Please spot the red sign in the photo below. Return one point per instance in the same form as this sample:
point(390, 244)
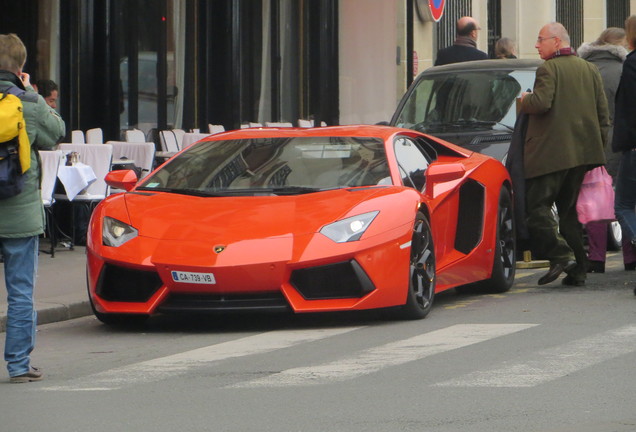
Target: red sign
point(437, 8)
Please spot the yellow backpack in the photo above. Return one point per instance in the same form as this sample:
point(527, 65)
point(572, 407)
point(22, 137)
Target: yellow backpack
point(15, 149)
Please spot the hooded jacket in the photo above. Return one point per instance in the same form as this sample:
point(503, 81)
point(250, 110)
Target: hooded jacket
point(609, 60)
point(23, 215)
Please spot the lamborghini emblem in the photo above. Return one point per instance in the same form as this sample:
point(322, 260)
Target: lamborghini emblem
point(219, 249)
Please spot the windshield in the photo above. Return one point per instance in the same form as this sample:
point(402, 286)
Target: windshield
point(280, 165)
point(454, 101)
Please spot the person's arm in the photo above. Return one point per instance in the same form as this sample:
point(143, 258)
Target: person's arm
point(624, 136)
point(628, 95)
point(51, 127)
point(540, 100)
point(602, 109)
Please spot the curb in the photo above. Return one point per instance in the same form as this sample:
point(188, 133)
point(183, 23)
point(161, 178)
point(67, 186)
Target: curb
point(55, 312)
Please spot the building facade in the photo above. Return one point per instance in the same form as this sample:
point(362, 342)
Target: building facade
point(160, 64)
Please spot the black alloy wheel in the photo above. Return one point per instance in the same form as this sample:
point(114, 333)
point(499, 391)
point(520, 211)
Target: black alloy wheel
point(421, 289)
point(504, 263)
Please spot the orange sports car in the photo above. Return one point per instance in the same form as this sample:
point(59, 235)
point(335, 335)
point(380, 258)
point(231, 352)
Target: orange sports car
point(304, 220)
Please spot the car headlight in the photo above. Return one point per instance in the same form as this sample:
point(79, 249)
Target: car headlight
point(349, 229)
point(115, 233)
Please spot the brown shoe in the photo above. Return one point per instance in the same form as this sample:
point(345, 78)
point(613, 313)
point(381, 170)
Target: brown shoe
point(34, 374)
point(555, 271)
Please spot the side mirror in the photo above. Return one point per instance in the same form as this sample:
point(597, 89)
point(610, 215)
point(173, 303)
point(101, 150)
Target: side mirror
point(440, 176)
point(121, 179)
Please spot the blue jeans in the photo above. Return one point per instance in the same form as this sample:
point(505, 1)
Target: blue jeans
point(20, 265)
point(625, 201)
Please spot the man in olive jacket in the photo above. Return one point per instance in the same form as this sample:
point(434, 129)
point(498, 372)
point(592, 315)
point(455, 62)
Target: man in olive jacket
point(567, 132)
point(22, 216)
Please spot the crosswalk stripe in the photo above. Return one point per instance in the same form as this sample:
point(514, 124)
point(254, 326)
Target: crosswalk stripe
point(392, 354)
point(164, 367)
point(553, 363)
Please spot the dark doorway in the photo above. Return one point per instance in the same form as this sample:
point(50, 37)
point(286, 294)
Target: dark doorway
point(494, 25)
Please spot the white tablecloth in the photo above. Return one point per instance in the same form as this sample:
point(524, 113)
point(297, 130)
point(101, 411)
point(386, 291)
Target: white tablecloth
point(191, 138)
point(75, 178)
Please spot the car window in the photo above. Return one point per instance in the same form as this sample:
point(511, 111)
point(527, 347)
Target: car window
point(412, 162)
point(454, 101)
point(275, 162)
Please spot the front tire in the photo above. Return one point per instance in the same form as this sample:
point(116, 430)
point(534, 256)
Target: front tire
point(421, 288)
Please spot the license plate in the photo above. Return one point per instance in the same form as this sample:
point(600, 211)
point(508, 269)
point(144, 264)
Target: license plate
point(193, 278)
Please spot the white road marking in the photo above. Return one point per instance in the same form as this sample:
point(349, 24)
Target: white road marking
point(392, 354)
point(164, 367)
point(553, 363)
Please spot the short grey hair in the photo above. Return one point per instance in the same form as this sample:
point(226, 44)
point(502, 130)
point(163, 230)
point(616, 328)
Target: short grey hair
point(12, 53)
point(558, 30)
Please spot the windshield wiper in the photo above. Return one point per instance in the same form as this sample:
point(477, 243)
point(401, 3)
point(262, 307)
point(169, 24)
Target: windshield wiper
point(298, 190)
point(278, 190)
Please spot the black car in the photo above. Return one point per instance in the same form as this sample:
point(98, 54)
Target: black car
point(471, 104)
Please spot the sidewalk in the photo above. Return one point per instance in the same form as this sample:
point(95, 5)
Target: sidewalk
point(60, 291)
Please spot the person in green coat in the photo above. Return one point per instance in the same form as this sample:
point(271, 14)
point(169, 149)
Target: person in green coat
point(22, 216)
point(567, 133)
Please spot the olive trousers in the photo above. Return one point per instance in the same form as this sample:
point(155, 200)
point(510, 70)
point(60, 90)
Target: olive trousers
point(559, 241)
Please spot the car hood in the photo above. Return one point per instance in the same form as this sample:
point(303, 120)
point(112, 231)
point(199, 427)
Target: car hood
point(170, 216)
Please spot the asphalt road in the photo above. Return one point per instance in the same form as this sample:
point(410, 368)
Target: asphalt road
point(536, 359)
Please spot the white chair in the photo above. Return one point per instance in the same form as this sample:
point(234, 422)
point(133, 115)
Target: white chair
point(169, 142)
point(255, 124)
point(278, 124)
point(135, 135)
point(216, 128)
point(142, 154)
point(191, 138)
point(51, 160)
point(77, 137)
point(308, 123)
point(94, 136)
point(179, 133)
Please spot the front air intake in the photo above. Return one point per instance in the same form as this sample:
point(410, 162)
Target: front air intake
point(127, 285)
point(332, 281)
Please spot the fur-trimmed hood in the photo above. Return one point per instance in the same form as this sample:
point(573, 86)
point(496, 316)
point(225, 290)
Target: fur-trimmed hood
point(606, 51)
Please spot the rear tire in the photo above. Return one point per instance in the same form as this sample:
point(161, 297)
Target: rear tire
point(421, 288)
point(504, 263)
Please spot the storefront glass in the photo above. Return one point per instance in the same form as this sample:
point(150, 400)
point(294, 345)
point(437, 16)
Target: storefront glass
point(47, 64)
point(151, 48)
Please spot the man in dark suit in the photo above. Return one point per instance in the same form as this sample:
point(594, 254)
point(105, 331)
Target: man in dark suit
point(465, 46)
point(567, 132)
